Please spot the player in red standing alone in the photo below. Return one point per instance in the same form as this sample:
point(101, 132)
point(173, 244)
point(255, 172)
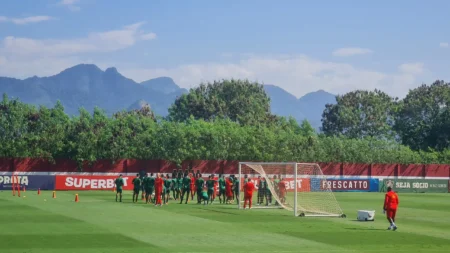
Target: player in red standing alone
point(159, 182)
point(390, 207)
point(249, 187)
point(282, 190)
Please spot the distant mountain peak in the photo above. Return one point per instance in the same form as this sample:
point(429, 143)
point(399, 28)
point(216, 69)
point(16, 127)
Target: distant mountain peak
point(163, 84)
point(111, 70)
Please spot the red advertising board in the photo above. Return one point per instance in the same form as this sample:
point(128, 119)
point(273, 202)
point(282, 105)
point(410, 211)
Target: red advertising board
point(303, 184)
point(346, 184)
point(75, 182)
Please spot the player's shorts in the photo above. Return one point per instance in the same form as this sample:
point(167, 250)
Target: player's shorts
point(210, 192)
point(221, 192)
point(390, 213)
point(136, 190)
point(199, 191)
point(168, 190)
point(118, 190)
point(204, 197)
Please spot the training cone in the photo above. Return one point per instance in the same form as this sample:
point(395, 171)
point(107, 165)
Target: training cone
point(39, 191)
point(54, 195)
point(76, 197)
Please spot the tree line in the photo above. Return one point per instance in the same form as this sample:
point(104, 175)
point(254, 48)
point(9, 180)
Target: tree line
point(231, 120)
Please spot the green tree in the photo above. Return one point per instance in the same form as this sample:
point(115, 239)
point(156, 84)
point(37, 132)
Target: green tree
point(238, 100)
point(423, 118)
point(359, 114)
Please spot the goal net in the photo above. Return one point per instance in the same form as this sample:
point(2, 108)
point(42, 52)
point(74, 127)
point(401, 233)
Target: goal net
point(297, 187)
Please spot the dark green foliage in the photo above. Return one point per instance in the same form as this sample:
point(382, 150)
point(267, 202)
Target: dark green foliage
point(423, 120)
point(49, 133)
point(360, 114)
point(237, 100)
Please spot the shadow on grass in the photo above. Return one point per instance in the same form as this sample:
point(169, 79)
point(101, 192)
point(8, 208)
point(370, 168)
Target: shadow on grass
point(379, 229)
point(218, 211)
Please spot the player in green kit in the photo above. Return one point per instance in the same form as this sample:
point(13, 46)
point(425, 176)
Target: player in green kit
point(150, 188)
point(204, 196)
point(179, 185)
point(199, 184)
point(185, 188)
point(167, 186)
point(210, 186)
point(222, 189)
point(137, 187)
point(119, 186)
point(236, 188)
point(146, 188)
point(174, 186)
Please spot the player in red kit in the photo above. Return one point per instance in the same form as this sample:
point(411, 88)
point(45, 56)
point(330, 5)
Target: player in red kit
point(193, 179)
point(282, 190)
point(249, 187)
point(390, 207)
point(159, 182)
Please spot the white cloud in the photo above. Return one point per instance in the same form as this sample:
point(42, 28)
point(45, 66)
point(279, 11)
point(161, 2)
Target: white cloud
point(415, 68)
point(351, 51)
point(26, 20)
point(298, 75)
point(148, 36)
point(71, 4)
point(443, 44)
point(95, 42)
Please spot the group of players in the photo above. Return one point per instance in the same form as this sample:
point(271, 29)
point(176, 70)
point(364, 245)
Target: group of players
point(182, 185)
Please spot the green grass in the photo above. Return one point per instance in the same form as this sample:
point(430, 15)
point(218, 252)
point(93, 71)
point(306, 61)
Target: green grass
point(98, 224)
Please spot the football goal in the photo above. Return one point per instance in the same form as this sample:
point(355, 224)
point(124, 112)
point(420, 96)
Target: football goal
point(297, 187)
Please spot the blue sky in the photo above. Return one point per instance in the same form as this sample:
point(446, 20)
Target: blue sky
point(301, 46)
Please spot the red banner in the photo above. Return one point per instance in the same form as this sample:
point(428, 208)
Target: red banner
point(303, 184)
point(76, 182)
point(346, 184)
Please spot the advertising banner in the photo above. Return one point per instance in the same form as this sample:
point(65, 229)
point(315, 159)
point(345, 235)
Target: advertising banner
point(75, 182)
point(30, 182)
point(418, 185)
point(345, 185)
point(303, 184)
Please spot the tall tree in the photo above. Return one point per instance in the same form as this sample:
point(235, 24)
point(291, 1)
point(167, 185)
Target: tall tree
point(423, 119)
point(360, 114)
point(238, 100)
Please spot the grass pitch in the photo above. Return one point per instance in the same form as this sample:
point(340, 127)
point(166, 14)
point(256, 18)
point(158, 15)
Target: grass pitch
point(40, 224)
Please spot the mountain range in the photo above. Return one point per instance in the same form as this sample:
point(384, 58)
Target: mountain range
point(86, 85)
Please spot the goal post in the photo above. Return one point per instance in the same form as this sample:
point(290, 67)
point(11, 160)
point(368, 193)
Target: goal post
point(297, 187)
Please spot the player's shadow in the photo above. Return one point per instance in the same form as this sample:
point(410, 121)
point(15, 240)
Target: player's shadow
point(364, 229)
